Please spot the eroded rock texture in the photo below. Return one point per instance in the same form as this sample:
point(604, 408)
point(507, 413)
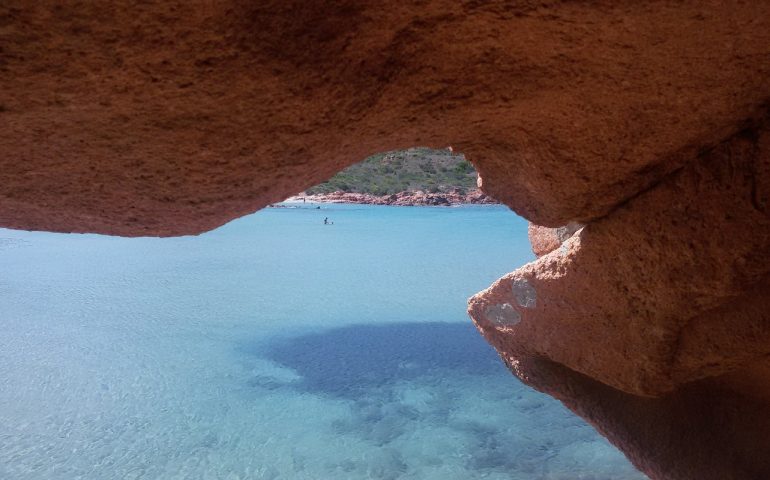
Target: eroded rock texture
point(645, 123)
point(654, 322)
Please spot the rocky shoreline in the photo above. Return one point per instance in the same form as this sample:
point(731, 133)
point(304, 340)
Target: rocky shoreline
point(410, 198)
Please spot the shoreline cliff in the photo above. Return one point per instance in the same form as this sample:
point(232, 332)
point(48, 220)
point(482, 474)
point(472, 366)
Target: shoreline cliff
point(408, 198)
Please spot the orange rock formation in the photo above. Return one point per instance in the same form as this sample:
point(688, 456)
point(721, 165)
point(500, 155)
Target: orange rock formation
point(644, 121)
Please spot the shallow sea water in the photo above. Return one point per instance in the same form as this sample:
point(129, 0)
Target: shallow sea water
point(275, 348)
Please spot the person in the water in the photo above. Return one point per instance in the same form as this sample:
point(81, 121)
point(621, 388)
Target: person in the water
point(327, 222)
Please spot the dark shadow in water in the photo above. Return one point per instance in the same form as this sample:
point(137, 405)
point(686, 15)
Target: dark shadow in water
point(368, 364)
point(350, 361)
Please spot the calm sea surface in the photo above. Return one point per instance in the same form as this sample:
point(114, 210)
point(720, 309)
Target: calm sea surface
point(275, 348)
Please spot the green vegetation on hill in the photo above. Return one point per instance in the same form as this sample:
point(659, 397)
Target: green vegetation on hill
point(425, 169)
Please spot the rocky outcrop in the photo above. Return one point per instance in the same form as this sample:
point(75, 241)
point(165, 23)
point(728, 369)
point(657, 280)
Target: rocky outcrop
point(676, 308)
point(545, 239)
point(645, 122)
point(159, 119)
point(406, 199)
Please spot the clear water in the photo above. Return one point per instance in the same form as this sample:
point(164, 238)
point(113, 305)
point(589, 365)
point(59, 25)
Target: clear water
point(275, 348)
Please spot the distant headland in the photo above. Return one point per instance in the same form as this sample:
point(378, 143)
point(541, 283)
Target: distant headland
point(417, 176)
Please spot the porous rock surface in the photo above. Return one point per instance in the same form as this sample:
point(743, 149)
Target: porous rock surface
point(645, 122)
point(654, 322)
point(547, 239)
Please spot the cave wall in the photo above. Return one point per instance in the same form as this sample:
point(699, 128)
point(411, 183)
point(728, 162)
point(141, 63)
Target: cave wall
point(634, 135)
point(654, 322)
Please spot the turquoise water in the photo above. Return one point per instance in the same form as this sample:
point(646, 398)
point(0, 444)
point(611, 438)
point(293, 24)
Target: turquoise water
point(275, 348)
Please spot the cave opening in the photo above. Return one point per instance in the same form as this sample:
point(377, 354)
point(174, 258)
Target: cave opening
point(283, 346)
